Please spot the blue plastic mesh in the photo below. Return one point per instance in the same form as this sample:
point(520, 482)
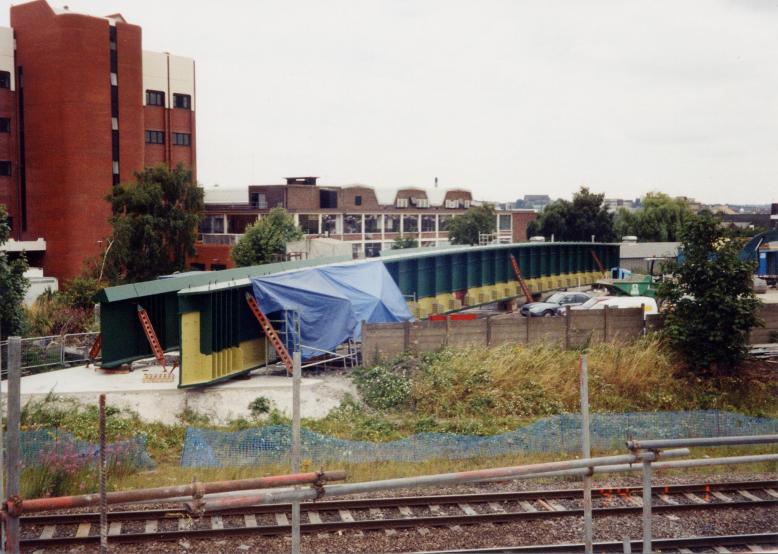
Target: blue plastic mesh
point(559, 433)
point(41, 445)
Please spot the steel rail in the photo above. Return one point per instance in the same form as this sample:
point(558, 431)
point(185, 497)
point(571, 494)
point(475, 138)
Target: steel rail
point(393, 502)
point(388, 523)
point(756, 539)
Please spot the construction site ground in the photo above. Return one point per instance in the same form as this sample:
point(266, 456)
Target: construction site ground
point(162, 401)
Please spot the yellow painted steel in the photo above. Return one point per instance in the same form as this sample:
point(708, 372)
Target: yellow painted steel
point(200, 368)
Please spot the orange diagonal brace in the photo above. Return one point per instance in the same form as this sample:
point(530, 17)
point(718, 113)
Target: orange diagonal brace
point(599, 263)
point(522, 284)
point(272, 336)
point(151, 336)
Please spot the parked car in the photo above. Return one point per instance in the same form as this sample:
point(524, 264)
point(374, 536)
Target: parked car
point(554, 304)
point(600, 302)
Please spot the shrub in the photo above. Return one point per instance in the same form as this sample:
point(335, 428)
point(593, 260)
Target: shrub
point(260, 406)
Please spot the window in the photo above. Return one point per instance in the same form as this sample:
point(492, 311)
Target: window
point(402, 203)
point(182, 139)
point(328, 198)
point(155, 98)
point(212, 224)
point(420, 202)
point(218, 267)
point(358, 200)
point(372, 223)
point(5, 169)
point(410, 224)
point(392, 223)
point(505, 222)
point(5, 79)
point(197, 266)
point(329, 224)
point(428, 223)
point(452, 203)
point(258, 200)
point(352, 223)
point(309, 224)
point(372, 249)
point(183, 101)
point(443, 221)
point(155, 137)
point(5, 124)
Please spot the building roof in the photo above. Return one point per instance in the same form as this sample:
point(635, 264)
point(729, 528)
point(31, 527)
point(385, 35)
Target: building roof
point(219, 195)
point(649, 249)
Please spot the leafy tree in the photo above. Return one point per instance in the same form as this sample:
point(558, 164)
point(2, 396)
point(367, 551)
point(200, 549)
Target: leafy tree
point(661, 218)
point(710, 301)
point(13, 285)
point(154, 224)
point(577, 220)
point(266, 240)
point(467, 228)
point(404, 242)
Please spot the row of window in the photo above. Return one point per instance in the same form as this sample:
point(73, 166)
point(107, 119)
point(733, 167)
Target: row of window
point(158, 137)
point(157, 98)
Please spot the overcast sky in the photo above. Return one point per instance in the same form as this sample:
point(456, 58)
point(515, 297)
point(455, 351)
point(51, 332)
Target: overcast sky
point(505, 97)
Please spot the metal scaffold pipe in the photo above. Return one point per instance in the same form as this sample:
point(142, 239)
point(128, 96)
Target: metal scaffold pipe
point(196, 490)
point(701, 441)
point(278, 497)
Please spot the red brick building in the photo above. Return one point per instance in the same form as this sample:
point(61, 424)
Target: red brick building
point(367, 218)
point(82, 108)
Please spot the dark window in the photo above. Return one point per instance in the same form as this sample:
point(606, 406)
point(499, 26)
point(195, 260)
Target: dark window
point(112, 33)
point(328, 198)
point(5, 124)
point(5, 79)
point(196, 266)
point(155, 137)
point(115, 145)
point(5, 169)
point(115, 179)
point(114, 63)
point(218, 267)
point(182, 101)
point(182, 139)
point(258, 200)
point(357, 200)
point(155, 98)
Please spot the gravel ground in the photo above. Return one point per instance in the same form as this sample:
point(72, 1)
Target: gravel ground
point(687, 524)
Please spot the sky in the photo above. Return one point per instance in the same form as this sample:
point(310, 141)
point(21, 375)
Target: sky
point(504, 97)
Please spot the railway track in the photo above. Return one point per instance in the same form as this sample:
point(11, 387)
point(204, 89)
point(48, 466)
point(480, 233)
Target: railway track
point(389, 514)
point(762, 542)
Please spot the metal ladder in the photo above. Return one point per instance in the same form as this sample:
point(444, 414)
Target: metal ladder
point(151, 336)
point(271, 334)
point(522, 284)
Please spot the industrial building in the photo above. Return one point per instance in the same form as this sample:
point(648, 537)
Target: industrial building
point(369, 219)
point(82, 108)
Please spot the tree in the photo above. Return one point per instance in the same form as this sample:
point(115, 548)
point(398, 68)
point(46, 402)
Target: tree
point(579, 220)
point(154, 224)
point(660, 219)
point(264, 241)
point(13, 285)
point(404, 242)
point(710, 302)
point(467, 228)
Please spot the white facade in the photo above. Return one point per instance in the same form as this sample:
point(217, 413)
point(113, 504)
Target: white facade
point(169, 74)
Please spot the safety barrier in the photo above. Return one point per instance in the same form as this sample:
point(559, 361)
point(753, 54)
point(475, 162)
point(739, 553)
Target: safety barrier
point(559, 433)
point(50, 351)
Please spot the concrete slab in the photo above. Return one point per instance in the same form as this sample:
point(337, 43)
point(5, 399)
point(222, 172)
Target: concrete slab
point(164, 401)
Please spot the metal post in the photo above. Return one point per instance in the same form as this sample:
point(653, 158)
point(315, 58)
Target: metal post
point(647, 506)
point(586, 451)
point(14, 434)
point(296, 377)
point(103, 499)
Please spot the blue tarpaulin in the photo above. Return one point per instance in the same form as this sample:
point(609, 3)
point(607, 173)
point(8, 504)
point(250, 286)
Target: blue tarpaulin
point(331, 302)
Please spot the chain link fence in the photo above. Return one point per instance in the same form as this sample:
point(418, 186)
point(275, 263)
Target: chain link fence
point(44, 353)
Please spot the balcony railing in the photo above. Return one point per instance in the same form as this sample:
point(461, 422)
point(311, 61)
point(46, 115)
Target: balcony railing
point(219, 238)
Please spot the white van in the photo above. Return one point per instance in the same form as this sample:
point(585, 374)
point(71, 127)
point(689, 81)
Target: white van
point(599, 303)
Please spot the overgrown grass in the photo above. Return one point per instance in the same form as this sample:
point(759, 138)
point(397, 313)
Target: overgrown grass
point(476, 391)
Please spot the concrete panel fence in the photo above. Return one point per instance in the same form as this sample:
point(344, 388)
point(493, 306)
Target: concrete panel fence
point(386, 340)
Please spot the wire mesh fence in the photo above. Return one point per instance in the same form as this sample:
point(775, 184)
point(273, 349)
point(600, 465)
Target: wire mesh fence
point(555, 434)
point(39, 353)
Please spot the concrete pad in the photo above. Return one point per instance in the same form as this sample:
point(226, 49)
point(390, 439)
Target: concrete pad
point(164, 401)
